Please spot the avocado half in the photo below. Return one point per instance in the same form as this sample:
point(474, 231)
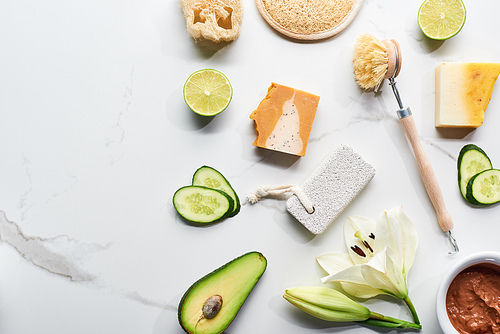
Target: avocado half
point(233, 282)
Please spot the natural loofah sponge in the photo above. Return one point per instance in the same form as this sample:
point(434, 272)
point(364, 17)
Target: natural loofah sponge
point(213, 20)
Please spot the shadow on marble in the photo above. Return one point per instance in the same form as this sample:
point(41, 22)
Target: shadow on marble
point(276, 158)
point(454, 133)
point(181, 116)
point(296, 230)
point(182, 220)
point(428, 44)
point(206, 49)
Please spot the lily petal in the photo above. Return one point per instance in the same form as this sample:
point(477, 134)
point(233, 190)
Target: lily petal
point(353, 282)
point(361, 290)
point(388, 233)
point(332, 263)
point(351, 274)
point(384, 272)
point(409, 235)
point(365, 228)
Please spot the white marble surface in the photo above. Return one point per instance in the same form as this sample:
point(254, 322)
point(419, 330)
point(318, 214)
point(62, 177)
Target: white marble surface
point(95, 138)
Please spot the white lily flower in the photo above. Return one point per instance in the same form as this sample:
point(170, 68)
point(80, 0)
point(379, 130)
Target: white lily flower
point(379, 256)
point(348, 263)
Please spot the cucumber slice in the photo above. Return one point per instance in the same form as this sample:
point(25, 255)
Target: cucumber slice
point(210, 177)
point(484, 188)
point(201, 204)
point(471, 161)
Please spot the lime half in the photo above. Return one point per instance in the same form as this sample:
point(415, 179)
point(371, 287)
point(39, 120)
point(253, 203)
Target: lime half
point(441, 19)
point(207, 92)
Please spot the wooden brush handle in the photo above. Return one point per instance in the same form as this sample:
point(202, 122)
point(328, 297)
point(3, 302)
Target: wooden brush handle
point(427, 173)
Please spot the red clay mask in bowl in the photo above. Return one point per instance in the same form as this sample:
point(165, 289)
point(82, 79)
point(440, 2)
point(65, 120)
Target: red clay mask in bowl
point(473, 299)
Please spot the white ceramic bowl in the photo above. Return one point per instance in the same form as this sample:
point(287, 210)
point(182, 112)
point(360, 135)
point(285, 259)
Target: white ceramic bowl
point(482, 257)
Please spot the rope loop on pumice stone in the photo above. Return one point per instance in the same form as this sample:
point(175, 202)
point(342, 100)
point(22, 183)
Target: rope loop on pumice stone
point(265, 190)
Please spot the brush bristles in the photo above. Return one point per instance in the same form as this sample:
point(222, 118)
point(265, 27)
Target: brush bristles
point(370, 61)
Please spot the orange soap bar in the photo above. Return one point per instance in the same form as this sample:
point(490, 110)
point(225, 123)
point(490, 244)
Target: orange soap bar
point(284, 118)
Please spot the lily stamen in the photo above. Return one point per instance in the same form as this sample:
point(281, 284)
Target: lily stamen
point(363, 240)
point(358, 250)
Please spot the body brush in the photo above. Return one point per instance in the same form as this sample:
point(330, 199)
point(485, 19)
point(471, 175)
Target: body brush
point(374, 61)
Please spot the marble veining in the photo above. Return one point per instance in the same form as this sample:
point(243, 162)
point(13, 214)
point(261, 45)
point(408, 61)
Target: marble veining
point(117, 132)
point(23, 199)
point(59, 255)
point(66, 258)
point(439, 148)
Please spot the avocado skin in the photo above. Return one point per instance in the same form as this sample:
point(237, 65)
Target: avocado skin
point(193, 287)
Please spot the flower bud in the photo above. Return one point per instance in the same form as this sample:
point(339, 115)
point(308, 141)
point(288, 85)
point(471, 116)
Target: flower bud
point(326, 303)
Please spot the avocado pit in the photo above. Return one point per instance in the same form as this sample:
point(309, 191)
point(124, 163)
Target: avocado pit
point(211, 306)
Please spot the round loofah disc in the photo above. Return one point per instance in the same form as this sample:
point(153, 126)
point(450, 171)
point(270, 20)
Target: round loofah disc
point(309, 20)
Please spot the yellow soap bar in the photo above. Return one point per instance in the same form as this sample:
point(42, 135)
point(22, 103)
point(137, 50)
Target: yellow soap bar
point(463, 91)
point(284, 118)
